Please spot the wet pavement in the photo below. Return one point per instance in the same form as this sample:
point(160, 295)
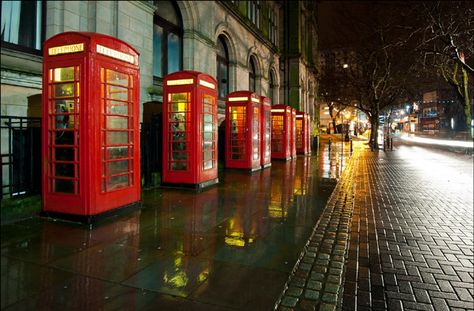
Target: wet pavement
point(403, 222)
point(231, 247)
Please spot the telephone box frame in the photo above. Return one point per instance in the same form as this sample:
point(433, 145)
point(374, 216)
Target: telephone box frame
point(304, 134)
point(281, 118)
point(93, 186)
point(244, 155)
point(199, 86)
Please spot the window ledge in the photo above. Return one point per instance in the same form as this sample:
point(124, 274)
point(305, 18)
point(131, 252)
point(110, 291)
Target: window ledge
point(21, 61)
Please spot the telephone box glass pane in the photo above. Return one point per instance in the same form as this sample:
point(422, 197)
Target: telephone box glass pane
point(208, 136)
point(256, 133)
point(118, 182)
point(63, 140)
point(277, 133)
point(238, 132)
point(178, 117)
point(116, 152)
point(64, 185)
point(63, 74)
point(115, 122)
point(117, 136)
point(117, 107)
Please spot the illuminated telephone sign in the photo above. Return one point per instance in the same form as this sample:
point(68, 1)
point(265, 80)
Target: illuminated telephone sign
point(90, 126)
point(242, 127)
point(265, 132)
point(302, 133)
point(293, 133)
point(281, 132)
point(189, 130)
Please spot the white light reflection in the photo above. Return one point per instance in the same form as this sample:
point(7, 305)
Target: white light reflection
point(441, 142)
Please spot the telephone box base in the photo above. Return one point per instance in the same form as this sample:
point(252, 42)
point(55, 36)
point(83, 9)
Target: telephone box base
point(197, 187)
point(266, 165)
point(306, 154)
point(91, 219)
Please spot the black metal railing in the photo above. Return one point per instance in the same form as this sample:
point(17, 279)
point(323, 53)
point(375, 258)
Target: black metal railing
point(21, 156)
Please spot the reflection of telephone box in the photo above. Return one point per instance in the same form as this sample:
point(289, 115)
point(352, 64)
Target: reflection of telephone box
point(189, 130)
point(302, 133)
point(91, 138)
point(265, 133)
point(242, 148)
point(281, 133)
point(293, 133)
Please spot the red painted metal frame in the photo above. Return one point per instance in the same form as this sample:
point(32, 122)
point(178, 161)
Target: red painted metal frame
point(248, 161)
point(195, 176)
point(266, 132)
point(281, 148)
point(90, 199)
point(293, 133)
point(303, 133)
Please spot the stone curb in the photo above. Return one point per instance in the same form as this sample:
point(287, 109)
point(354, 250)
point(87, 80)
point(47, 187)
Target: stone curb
point(315, 283)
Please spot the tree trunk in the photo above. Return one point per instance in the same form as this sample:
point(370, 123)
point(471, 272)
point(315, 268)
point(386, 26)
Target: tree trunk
point(467, 103)
point(374, 121)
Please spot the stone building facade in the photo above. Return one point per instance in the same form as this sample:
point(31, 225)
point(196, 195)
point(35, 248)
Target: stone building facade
point(274, 41)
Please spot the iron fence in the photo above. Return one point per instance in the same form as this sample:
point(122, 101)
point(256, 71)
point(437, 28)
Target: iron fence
point(21, 155)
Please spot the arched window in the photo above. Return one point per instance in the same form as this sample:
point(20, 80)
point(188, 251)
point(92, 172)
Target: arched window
point(252, 75)
point(167, 39)
point(222, 60)
point(271, 87)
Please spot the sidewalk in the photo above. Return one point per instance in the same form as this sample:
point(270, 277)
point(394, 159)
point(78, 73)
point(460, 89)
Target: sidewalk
point(396, 234)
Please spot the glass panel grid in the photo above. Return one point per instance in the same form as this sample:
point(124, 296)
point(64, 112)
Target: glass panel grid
point(256, 133)
point(299, 133)
point(63, 129)
point(117, 130)
point(238, 133)
point(209, 139)
point(277, 133)
point(179, 127)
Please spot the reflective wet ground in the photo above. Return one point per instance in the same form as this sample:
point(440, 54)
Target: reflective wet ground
point(230, 247)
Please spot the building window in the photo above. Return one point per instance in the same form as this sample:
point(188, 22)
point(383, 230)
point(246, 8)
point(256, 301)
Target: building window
point(23, 25)
point(271, 87)
point(253, 12)
point(222, 59)
point(252, 75)
point(272, 31)
point(167, 39)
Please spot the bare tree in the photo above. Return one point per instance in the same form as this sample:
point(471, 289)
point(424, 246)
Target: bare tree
point(447, 45)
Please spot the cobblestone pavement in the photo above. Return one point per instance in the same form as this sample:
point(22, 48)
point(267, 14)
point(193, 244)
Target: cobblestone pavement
point(403, 220)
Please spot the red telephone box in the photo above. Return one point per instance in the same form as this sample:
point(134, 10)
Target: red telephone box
point(293, 133)
point(91, 136)
point(265, 133)
point(281, 132)
point(242, 148)
point(302, 133)
point(189, 130)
